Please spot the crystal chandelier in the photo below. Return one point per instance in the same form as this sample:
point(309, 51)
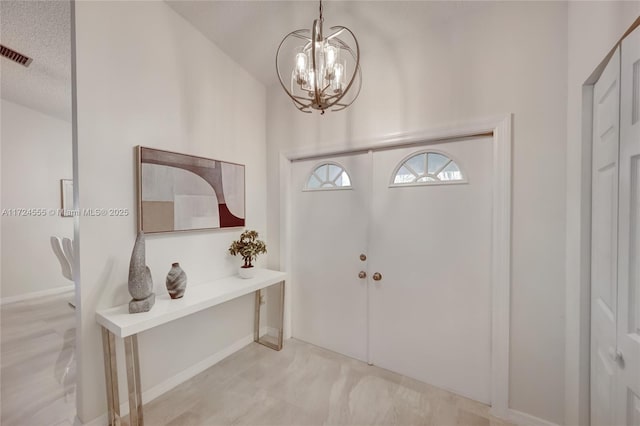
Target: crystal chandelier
point(324, 68)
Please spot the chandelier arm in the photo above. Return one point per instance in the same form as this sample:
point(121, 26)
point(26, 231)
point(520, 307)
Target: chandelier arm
point(302, 106)
point(342, 106)
point(341, 44)
point(304, 99)
point(303, 109)
point(333, 97)
point(295, 101)
point(299, 35)
point(325, 88)
point(357, 59)
point(336, 34)
point(314, 37)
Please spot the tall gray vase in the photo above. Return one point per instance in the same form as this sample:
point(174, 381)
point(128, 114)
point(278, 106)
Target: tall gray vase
point(140, 282)
point(176, 281)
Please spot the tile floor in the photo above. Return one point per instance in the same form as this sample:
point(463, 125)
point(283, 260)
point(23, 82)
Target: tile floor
point(301, 385)
point(307, 385)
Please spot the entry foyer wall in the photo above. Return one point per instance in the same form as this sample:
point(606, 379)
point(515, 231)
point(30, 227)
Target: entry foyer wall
point(147, 77)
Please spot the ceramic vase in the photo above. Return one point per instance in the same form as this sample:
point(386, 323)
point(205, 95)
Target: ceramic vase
point(176, 281)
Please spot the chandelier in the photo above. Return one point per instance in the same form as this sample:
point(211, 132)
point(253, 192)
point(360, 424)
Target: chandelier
point(324, 69)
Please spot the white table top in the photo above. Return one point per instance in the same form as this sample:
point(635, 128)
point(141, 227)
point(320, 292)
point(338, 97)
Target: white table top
point(120, 322)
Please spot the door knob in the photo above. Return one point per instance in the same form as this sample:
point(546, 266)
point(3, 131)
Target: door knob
point(616, 356)
point(362, 274)
point(363, 257)
point(377, 276)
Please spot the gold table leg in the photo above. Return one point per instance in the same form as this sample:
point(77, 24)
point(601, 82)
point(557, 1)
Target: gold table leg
point(133, 380)
point(281, 330)
point(111, 377)
point(256, 324)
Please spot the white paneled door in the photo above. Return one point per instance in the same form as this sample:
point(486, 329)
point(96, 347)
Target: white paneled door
point(604, 243)
point(420, 304)
point(628, 315)
point(431, 309)
point(329, 233)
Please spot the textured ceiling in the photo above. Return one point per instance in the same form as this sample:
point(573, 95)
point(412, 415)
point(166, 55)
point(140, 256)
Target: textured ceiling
point(42, 31)
point(250, 31)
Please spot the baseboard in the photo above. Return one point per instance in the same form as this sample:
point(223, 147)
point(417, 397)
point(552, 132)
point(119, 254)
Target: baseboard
point(36, 294)
point(100, 421)
point(524, 419)
point(151, 394)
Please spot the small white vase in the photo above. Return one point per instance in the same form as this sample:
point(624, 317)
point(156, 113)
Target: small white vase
point(247, 273)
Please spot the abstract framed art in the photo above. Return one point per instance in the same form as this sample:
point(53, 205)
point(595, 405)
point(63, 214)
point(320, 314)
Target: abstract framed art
point(179, 192)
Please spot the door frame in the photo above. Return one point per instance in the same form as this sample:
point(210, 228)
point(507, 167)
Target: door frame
point(578, 257)
point(500, 129)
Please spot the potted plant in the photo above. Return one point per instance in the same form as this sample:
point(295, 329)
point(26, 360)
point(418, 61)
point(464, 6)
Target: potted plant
point(249, 247)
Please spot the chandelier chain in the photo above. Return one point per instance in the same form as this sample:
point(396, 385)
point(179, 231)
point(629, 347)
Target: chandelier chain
point(321, 10)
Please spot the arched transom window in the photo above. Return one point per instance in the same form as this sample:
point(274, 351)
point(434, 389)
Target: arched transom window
point(328, 176)
point(427, 168)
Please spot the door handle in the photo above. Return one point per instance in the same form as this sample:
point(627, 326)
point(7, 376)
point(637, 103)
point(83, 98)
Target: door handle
point(616, 356)
point(362, 274)
point(377, 276)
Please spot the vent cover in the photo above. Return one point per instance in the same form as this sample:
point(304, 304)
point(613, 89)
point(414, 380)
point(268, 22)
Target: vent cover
point(15, 56)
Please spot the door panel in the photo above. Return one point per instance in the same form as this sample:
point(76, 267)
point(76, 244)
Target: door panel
point(628, 318)
point(431, 312)
point(604, 241)
point(329, 233)
point(603, 374)
point(605, 210)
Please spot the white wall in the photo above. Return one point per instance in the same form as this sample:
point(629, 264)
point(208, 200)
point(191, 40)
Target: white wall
point(36, 154)
point(146, 77)
point(505, 57)
point(593, 30)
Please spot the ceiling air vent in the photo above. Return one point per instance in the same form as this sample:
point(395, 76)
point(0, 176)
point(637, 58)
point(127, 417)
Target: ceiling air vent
point(15, 56)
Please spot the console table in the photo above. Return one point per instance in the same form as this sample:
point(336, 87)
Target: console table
point(118, 322)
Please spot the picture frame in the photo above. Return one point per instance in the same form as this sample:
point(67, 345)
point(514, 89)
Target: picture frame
point(66, 197)
point(180, 192)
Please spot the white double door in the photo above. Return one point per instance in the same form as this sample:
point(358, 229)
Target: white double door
point(429, 316)
point(615, 247)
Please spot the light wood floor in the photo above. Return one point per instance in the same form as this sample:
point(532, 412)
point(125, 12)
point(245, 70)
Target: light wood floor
point(306, 385)
point(301, 385)
point(37, 366)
